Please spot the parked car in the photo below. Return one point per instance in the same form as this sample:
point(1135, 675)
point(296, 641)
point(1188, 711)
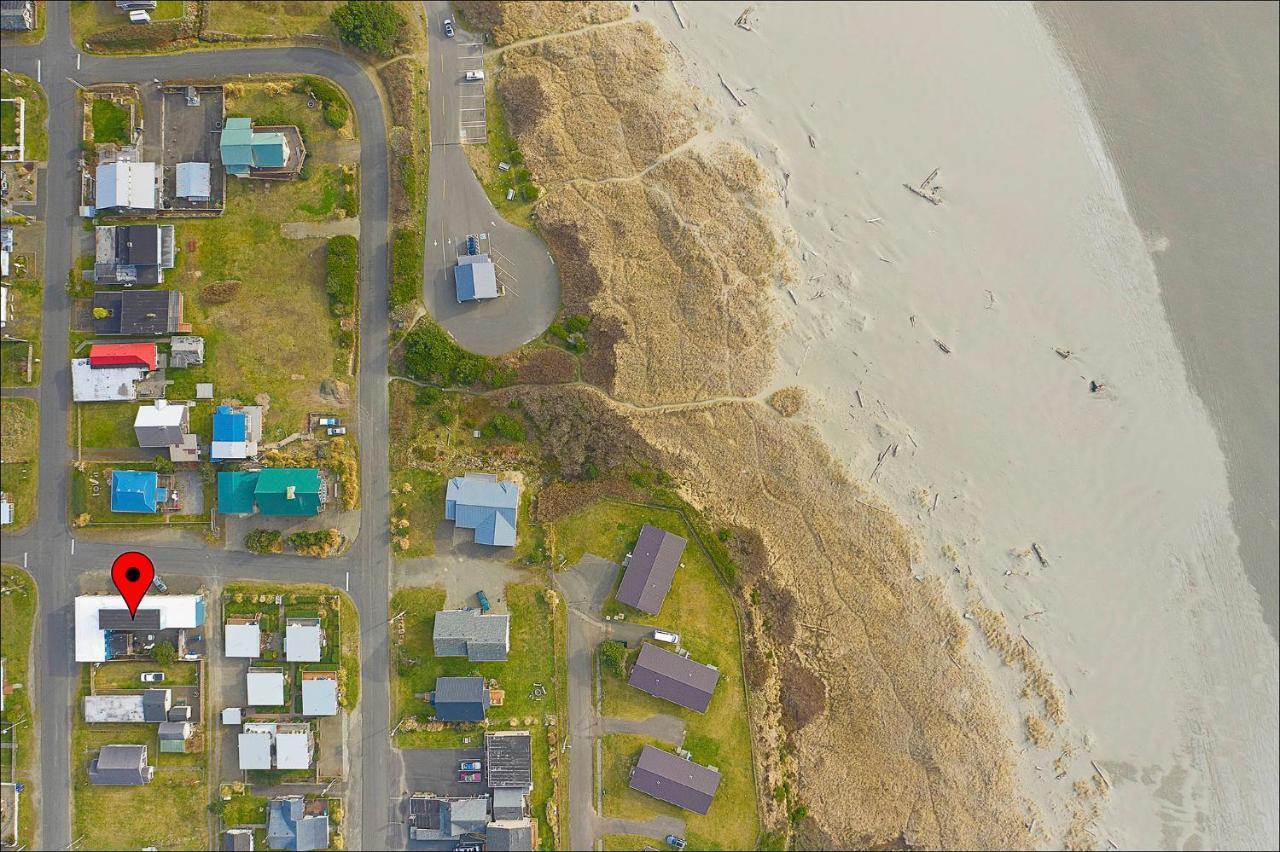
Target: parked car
point(159, 584)
point(327, 421)
point(675, 842)
point(470, 777)
point(448, 27)
point(470, 766)
point(336, 430)
point(665, 636)
point(483, 601)
point(152, 677)
point(474, 76)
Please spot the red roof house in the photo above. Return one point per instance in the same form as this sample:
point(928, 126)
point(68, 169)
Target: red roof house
point(123, 355)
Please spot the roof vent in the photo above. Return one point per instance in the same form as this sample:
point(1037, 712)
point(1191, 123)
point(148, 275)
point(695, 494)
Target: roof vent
point(161, 403)
point(290, 492)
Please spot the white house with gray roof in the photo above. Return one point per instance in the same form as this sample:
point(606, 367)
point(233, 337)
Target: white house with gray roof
point(468, 633)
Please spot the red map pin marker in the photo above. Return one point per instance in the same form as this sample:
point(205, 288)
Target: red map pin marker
point(132, 573)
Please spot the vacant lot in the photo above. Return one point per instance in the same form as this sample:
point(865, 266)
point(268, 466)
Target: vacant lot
point(245, 809)
point(536, 656)
point(272, 332)
point(26, 309)
point(126, 674)
point(36, 109)
point(110, 122)
point(17, 621)
point(700, 608)
point(108, 425)
point(19, 466)
point(283, 18)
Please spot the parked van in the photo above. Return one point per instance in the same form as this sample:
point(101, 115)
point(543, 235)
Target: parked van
point(473, 76)
point(139, 16)
point(669, 638)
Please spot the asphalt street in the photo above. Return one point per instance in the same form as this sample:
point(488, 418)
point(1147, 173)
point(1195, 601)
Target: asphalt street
point(50, 551)
point(457, 206)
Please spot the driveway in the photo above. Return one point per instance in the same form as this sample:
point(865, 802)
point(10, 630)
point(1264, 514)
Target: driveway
point(463, 568)
point(457, 206)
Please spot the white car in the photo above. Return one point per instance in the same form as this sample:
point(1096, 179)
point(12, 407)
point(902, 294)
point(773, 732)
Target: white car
point(152, 677)
point(448, 27)
point(474, 76)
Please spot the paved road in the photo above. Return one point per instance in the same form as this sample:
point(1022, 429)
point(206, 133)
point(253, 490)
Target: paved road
point(457, 206)
point(50, 551)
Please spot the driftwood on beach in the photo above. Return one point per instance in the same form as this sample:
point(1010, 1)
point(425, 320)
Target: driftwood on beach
point(926, 189)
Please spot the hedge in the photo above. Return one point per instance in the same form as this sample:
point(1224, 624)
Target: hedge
point(341, 267)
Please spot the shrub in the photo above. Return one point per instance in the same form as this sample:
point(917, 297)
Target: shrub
point(336, 110)
point(101, 313)
point(429, 395)
point(371, 26)
point(529, 192)
point(508, 427)
point(263, 541)
point(557, 330)
point(164, 653)
point(162, 464)
point(341, 268)
point(467, 371)
point(406, 266)
point(613, 656)
point(577, 323)
point(590, 472)
point(444, 415)
point(430, 353)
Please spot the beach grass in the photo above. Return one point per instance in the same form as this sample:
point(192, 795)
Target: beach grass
point(272, 17)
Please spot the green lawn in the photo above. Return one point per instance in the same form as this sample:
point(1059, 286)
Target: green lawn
point(37, 114)
point(421, 504)
point(245, 809)
point(630, 842)
point(19, 456)
point(701, 609)
point(17, 621)
point(108, 425)
point(90, 17)
point(272, 17)
point(25, 323)
point(174, 803)
point(537, 643)
point(110, 122)
point(126, 674)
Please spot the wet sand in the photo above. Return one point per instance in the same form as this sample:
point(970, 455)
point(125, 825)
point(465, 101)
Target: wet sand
point(933, 329)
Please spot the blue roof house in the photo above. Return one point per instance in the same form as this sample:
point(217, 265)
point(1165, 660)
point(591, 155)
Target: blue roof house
point(480, 502)
point(475, 278)
point(228, 434)
point(136, 491)
point(295, 823)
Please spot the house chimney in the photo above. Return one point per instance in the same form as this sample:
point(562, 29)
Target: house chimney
point(161, 403)
point(290, 492)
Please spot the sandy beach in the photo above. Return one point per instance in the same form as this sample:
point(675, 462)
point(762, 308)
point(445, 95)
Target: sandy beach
point(964, 337)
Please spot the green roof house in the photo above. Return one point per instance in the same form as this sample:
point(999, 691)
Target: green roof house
point(289, 491)
point(246, 152)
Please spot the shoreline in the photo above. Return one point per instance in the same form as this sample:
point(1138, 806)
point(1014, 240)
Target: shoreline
point(1143, 610)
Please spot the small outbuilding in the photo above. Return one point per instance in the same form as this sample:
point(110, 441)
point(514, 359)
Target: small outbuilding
point(460, 699)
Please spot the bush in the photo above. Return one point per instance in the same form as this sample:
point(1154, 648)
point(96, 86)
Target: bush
point(263, 541)
point(406, 266)
point(508, 427)
point(162, 464)
point(557, 330)
point(330, 96)
point(590, 472)
point(577, 323)
point(372, 25)
point(101, 313)
point(430, 353)
point(529, 192)
point(429, 395)
point(342, 269)
point(613, 656)
point(468, 369)
point(164, 653)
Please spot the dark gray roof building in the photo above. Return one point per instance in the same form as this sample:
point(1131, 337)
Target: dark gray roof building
point(434, 818)
point(460, 699)
point(138, 312)
point(132, 254)
point(509, 836)
point(121, 765)
point(675, 678)
point(17, 15)
point(650, 568)
point(238, 840)
point(155, 705)
point(508, 759)
point(468, 633)
point(119, 619)
point(508, 803)
point(673, 779)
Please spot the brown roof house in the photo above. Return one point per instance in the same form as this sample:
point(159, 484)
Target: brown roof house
point(673, 779)
point(651, 566)
point(673, 677)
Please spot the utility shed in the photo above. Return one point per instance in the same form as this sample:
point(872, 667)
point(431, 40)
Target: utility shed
point(673, 677)
point(673, 779)
point(650, 569)
point(174, 736)
point(508, 759)
point(468, 633)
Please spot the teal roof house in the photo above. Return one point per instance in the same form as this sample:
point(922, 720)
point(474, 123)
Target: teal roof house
point(265, 152)
point(290, 492)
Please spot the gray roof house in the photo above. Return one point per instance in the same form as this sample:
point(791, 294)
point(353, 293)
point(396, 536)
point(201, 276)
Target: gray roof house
point(508, 760)
point(139, 312)
point(161, 424)
point(132, 254)
point(17, 15)
point(460, 699)
point(673, 779)
point(673, 677)
point(468, 633)
point(186, 351)
point(435, 818)
point(297, 823)
point(121, 765)
point(238, 840)
point(651, 566)
point(486, 504)
point(509, 835)
point(508, 803)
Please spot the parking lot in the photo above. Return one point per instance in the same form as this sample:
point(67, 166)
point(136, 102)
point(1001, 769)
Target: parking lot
point(471, 109)
point(435, 770)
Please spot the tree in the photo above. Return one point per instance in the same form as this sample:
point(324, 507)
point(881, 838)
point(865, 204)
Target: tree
point(613, 655)
point(370, 25)
point(164, 653)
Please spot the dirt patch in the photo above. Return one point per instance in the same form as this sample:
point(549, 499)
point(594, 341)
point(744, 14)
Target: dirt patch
point(308, 230)
point(219, 292)
point(509, 22)
point(788, 401)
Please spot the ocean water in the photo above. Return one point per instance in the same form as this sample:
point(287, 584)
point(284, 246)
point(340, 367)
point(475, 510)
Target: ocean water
point(1185, 96)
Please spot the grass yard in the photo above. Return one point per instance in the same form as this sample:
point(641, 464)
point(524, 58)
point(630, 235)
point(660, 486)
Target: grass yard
point(26, 314)
point(19, 456)
point(701, 609)
point(274, 334)
point(126, 674)
point(37, 115)
point(91, 495)
point(283, 18)
point(17, 620)
point(630, 842)
point(108, 425)
point(501, 147)
point(245, 809)
point(537, 654)
point(110, 122)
